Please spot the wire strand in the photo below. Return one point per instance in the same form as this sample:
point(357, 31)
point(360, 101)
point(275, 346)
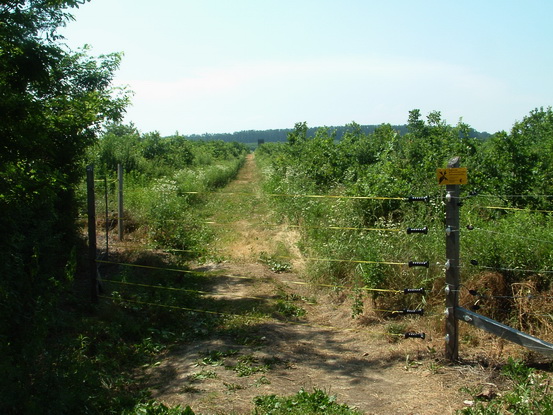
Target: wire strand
point(475, 293)
point(510, 196)
point(315, 227)
point(535, 271)
point(342, 286)
point(301, 195)
point(514, 209)
point(182, 290)
point(147, 267)
point(511, 235)
point(351, 228)
point(297, 323)
point(385, 290)
point(355, 261)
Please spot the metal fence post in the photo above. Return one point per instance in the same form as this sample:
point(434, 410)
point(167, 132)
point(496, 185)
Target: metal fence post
point(452, 276)
point(120, 201)
point(106, 214)
point(91, 205)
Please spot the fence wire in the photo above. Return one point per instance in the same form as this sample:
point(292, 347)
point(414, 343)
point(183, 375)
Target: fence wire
point(358, 261)
point(292, 195)
point(224, 314)
point(205, 273)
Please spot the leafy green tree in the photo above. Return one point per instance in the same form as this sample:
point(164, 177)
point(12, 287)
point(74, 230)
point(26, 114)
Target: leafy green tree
point(322, 160)
point(299, 134)
point(519, 162)
point(536, 132)
point(52, 104)
point(357, 147)
point(122, 144)
point(154, 146)
point(416, 125)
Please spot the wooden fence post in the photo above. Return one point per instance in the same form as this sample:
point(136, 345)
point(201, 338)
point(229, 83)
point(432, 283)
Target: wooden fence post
point(452, 275)
point(91, 204)
point(120, 201)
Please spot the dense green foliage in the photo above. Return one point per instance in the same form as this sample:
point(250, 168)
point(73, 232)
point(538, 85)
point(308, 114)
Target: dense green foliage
point(52, 103)
point(154, 156)
point(164, 178)
point(506, 170)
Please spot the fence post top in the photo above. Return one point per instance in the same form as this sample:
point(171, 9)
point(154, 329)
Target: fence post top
point(454, 162)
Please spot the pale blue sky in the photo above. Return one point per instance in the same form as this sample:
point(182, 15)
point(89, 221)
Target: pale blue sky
point(229, 65)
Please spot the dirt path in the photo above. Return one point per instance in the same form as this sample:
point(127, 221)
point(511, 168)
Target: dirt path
point(324, 348)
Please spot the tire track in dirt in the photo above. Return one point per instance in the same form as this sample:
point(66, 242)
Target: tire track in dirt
point(324, 349)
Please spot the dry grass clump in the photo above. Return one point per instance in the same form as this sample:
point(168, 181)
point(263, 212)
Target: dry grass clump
point(532, 310)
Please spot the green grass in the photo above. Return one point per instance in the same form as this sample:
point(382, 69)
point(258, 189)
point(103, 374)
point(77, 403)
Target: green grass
point(317, 402)
point(530, 394)
point(303, 403)
point(216, 357)
point(275, 263)
point(202, 375)
point(157, 408)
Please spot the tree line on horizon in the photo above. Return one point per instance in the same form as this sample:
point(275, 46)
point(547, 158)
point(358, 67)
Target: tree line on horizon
point(281, 135)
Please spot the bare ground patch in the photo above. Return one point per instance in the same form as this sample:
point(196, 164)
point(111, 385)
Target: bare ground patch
point(324, 349)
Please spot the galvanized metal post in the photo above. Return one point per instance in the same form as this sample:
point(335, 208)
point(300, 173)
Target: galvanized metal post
point(120, 201)
point(91, 205)
point(453, 177)
point(452, 276)
point(505, 332)
point(107, 215)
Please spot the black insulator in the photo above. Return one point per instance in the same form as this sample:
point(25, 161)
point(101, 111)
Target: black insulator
point(473, 262)
point(418, 311)
point(425, 264)
point(473, 292)
point(413, 291)
point(411, 335)
point(417, 230)
point(418, 198)
point(470, 227)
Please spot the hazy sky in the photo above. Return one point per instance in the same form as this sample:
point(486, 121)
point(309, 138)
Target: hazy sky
point(229, 65)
